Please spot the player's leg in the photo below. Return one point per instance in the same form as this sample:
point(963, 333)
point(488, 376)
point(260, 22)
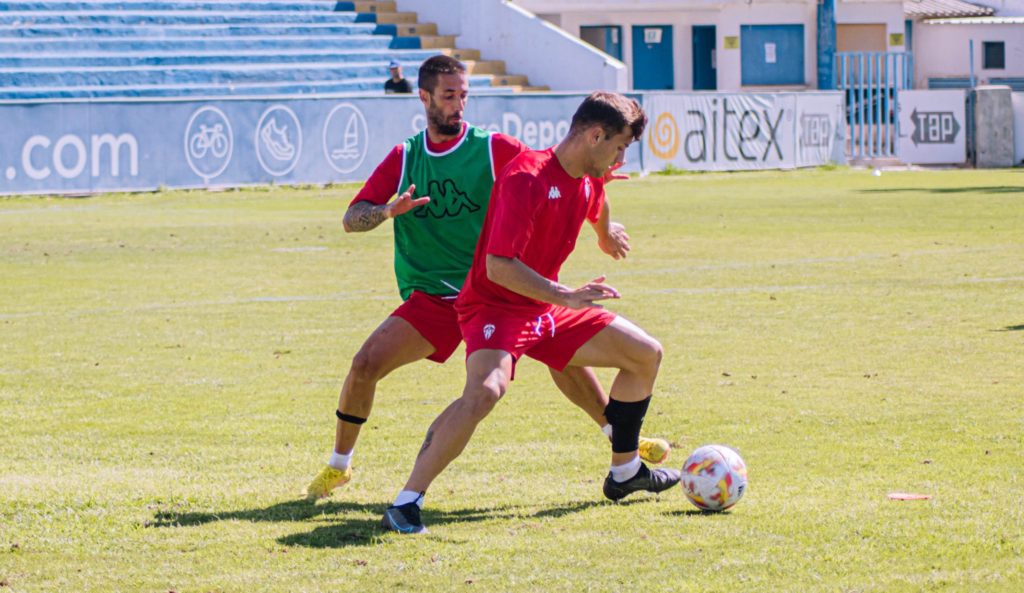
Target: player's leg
point(393, 344)
point(582, 387)
point(623, 345)
point(488, 373)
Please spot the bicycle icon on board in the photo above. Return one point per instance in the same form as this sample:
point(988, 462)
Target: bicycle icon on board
point(209, 138)
point(208, 142)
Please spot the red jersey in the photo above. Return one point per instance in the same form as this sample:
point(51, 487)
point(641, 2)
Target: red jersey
point(535, 215)
point(383, 182)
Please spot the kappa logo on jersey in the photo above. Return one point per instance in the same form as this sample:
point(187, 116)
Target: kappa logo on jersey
point(488, 331)
point(446, 200)
point(554, 194)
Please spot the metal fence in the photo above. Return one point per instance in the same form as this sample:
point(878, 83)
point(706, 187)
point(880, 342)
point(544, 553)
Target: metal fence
point(870, 82)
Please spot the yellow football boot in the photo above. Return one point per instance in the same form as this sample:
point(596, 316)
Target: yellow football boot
point(328, 479)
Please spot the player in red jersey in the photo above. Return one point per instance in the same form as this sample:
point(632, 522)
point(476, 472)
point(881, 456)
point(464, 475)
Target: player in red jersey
point(512, 304)
point(443, 177)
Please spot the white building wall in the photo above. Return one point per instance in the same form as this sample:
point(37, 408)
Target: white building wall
point(941, 51)
point(757, 13)
point(727, 16)
point(528, 45)
point(871, 13)
point(682, 39)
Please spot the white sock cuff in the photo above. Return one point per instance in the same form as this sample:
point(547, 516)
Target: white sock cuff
point(607, 430)
point(407, 496)
point(621, 473)
point(339, 461)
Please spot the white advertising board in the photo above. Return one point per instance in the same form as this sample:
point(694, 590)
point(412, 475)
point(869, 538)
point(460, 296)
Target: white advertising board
point(739, 131)
point(932, 127)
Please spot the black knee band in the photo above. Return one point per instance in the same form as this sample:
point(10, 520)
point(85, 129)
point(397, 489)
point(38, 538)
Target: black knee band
point(626, 418)
point(349, 418)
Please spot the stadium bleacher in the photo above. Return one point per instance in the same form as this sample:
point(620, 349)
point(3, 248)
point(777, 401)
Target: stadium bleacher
point(167, 48)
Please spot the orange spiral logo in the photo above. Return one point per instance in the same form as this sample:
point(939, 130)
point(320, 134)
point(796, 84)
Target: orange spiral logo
point(664, 137)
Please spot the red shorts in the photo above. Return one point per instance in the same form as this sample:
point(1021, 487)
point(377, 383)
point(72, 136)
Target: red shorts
point(435, 319)
point(552, 337)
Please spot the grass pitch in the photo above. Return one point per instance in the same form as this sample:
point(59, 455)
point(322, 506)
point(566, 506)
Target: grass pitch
point(169, 366)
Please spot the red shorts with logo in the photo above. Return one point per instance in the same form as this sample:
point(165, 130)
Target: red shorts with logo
point(552, 337)
point(435, 319)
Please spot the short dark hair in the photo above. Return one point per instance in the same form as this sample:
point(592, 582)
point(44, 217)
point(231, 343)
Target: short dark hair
point(612, 112)
point(435, 66)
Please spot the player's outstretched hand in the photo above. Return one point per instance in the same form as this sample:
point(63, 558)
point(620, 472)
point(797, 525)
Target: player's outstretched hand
point(405, 203)
point(587, 295)
point(611, 175)
point(616, 244)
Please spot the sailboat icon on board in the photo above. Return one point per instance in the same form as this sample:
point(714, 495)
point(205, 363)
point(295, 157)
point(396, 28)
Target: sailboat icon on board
point(350, 141)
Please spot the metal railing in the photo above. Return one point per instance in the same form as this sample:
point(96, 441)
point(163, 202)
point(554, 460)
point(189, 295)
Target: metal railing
point(871, 82)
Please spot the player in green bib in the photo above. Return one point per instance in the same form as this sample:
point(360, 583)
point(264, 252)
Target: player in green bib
point(443, 177)
point(434, 243)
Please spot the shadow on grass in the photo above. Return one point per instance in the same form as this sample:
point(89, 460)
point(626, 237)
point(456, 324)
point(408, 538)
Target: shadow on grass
point(697, 513)
point(292, 510)
point(1011, 328)
point(987, 189)
point(364, 532)
point(358, 531)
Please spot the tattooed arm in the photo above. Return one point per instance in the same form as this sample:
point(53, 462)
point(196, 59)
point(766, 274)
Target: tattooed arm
point(364, 216)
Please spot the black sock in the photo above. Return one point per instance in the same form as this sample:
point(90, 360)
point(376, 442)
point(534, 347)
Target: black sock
point(626, 419)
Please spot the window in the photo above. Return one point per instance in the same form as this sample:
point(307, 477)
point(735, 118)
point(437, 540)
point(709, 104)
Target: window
point(994, 55)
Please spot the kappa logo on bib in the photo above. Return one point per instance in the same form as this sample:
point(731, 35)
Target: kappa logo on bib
point(554, 194)
point(488, 331)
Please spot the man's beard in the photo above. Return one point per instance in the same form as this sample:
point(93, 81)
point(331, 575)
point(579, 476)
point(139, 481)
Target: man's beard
point(443, 127)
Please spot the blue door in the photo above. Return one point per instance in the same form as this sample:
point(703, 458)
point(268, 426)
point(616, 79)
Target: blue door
point(607, 38)
point(705, 67)
point(652, 57)
point(772, 54)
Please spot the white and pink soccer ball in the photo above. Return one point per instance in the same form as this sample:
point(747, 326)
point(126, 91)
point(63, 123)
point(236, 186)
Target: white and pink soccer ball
point(714, 478)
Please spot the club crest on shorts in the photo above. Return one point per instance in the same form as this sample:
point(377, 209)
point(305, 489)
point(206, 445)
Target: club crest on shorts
point(488, 331)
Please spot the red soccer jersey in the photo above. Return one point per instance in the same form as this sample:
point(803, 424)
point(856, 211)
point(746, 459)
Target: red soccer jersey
point(383, 182)
point(535, 215)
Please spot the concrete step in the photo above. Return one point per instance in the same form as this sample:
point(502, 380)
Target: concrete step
point(342, 44)
point(379, 6)
point(368, 86)
point(485, 66)
point(195, 5)
point(192, 30)
point(178, 17)
point(275, 55)
point(463, 55)
point(436, 41)
point(409, 29)
point(510, 80)
point(396, 18)
point(198, 74)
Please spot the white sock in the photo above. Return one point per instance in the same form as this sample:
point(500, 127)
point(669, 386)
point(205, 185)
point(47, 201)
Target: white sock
point(621, 473)
point(407, 496)
point(607, 430)
point(339, 461)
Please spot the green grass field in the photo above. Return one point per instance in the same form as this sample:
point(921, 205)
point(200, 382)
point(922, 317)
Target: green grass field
point(169, 367)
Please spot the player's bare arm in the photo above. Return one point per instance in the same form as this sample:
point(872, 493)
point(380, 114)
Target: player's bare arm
point(516, 276)
point(611, 236)
point(364, 216)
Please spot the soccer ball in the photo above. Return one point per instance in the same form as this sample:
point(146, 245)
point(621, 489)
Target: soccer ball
point(714, 478)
